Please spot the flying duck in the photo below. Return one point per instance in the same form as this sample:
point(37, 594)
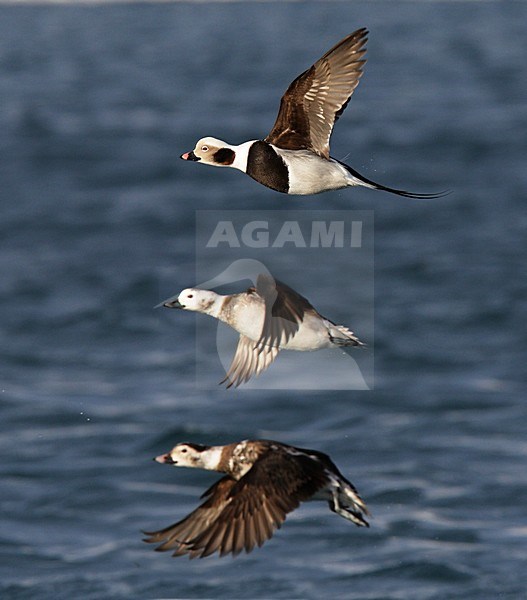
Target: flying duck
point(269, 317)
point(294, 158)
point(263, 482)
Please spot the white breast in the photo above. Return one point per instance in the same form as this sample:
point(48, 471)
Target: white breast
point(247, 317)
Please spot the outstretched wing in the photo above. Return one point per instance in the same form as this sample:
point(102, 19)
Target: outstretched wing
point(317, 97)
point(249, 360)
point(176, 537)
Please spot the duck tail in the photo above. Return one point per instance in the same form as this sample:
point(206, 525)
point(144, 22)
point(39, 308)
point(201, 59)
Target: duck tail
point(342, 336)
point(357, 179)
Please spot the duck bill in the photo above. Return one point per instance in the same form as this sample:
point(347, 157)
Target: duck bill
point(172, 303)
point(190, 156)
point(164, 459)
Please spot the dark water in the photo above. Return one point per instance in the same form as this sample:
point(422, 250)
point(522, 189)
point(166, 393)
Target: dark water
point(99, 224)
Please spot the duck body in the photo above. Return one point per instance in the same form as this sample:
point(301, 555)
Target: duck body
point(246, 314)
point(297, 172)
point(264, 480)
point(269, 317)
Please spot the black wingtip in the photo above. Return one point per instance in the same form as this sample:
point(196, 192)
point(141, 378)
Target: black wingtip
point(228, 383)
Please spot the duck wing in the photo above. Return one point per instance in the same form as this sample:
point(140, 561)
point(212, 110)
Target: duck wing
point(315, 100)
point(284, 311)
point(249, 360)
point(177, 536)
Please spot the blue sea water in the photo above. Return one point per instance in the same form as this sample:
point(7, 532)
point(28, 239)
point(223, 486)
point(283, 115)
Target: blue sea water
point(99, 223)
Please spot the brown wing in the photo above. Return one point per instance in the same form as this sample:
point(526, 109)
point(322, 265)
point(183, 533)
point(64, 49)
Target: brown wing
point(317, 97)
point(240, 515)
point(179, 536)
point(286, 475)
point(249, 360)
point(284, 311)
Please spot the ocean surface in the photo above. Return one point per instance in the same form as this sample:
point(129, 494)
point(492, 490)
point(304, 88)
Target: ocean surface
point(101, 221)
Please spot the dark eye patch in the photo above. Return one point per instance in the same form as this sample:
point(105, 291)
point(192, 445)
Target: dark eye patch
point(224, 156)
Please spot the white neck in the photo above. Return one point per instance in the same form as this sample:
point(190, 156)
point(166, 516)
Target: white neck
point(214, 309)
point(241, 155)
point(210, 458)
